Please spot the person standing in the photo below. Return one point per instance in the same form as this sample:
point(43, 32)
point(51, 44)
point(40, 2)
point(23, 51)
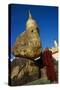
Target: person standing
point(48, 63)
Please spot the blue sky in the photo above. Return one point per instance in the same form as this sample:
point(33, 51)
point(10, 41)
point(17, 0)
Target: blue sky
point(45, 16)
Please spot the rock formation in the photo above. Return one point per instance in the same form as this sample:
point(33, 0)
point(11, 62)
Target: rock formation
point(28, 43)
point(26, 48)
point(23, 71)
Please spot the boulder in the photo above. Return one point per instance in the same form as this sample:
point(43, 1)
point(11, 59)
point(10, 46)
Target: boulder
point(23, 71)
point(28, 43)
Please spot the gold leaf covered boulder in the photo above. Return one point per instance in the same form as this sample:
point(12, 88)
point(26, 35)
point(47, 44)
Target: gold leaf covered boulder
point(28, 43)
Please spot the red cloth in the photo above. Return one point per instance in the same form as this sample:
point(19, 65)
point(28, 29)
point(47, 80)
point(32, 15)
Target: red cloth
point(48, 62)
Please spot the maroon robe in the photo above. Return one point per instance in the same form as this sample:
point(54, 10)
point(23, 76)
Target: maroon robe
point(48, 62)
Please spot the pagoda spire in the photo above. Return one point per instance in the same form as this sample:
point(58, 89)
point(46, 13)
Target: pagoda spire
point(30, 16)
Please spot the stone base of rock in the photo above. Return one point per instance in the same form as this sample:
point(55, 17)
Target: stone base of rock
point(23, 71)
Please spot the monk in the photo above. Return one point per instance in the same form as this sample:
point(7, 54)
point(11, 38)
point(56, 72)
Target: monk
point(48, 63)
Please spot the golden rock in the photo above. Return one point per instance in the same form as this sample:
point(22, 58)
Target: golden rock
point(28, 43)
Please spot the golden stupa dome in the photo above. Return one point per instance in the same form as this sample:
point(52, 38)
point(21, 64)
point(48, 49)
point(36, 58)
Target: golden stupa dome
point(30, 22)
